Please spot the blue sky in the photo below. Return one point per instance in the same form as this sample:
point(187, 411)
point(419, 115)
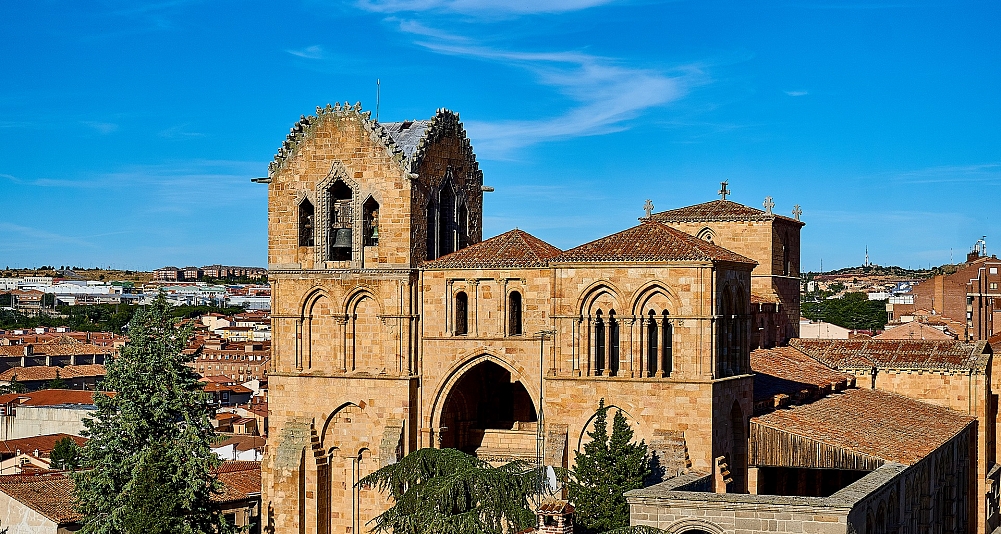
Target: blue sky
point(129, 132)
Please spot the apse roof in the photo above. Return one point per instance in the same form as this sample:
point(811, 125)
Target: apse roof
point(718, 210)
point(649, 241)
point(513, 249)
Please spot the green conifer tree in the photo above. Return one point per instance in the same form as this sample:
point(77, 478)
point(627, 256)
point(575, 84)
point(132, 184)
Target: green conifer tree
point(608, 467)
point(148, 452)
point(65, 455)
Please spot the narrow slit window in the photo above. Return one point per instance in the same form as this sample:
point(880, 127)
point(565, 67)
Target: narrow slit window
point(306, 218)
point(599, 345)
point(667, 335)
point(461, 314)
point(613, 344)
point(652, 344)
point(370, 221)
point(514, 314)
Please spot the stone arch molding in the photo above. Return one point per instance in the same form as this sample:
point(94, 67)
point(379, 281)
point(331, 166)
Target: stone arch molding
point(634, 423)
point(692, 525)
point(327, 439)
point(707, 234)
point(649, 293)
point(458, 370)
point(322, 207)
point(594, 293)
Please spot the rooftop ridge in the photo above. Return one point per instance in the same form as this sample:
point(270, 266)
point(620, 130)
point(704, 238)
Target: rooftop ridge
point(719, 210)
point(649, 241)
point(512, 249)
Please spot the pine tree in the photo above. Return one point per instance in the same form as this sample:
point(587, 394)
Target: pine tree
point(608, 467)
point(58, 383)
point(148, 452)
point(447, 491)
point(65, 455)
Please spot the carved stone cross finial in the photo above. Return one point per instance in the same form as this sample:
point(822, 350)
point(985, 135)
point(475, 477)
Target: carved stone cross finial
point(723, 191)
point(648, 208)
point(768, 205)
point(797, 211)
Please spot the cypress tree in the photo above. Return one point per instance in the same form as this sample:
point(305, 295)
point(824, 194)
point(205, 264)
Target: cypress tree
point(148, 449)
point(608, 467)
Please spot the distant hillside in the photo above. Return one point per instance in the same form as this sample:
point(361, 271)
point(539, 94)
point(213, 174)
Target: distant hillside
point(886, 271)
point(80, 274)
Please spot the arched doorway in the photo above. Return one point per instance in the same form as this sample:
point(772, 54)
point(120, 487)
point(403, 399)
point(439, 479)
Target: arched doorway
point(486, 397)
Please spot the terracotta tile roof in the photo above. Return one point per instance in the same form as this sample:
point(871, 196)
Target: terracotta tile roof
point(718, 210)
point(241, 480)
point(60, 346)
point(895, 354)
point(871, 422)
point(235, 388)
point(914, 330)
point(649, 241)
point(243, 443)
point(49, 494)
point(53, 397)
point(511, 250)
point(43, 444)
point(45, 372)
point(787, 371)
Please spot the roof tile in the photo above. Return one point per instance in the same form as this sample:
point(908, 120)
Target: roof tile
point(511, 250)
point(892, 353)
point(718, 210)
point(649, 241)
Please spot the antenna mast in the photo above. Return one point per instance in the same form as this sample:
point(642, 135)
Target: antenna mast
point(378, 95)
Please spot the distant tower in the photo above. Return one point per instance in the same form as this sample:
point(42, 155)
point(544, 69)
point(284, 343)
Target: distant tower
point(867, 256)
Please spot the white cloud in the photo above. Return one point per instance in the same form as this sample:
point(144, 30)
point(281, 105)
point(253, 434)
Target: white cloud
point(310, 52)
point(179, 132)
point(604, 94)
point(796, 93)
point(985, 172)
point(101, 127)
point(514, 7)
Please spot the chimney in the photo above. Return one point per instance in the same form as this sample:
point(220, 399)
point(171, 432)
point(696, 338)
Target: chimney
point(29, 349)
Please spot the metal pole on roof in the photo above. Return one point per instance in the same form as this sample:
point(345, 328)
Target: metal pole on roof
point(378, 97)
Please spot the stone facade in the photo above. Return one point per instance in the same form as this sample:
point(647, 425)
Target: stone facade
point(396, 327)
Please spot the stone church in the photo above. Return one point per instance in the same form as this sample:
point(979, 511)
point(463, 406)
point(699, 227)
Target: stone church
point(397, 326)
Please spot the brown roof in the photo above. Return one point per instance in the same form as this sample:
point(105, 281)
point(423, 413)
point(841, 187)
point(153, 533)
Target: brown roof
point(511, 250)
point(650, 241)
point(49, 494)
point(871, 422)
point(914, 330)
point(896, 354)
point(718, 210)
point(60, 346)
point(52, 397)
point(787, 371)
point(241, 480)
point(235, 388)
point(43, 444)
point(242, 442)
point(46, 372)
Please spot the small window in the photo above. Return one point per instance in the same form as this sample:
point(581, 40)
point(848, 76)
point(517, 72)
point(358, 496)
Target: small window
point(994, 270)
point(371, 222)
point(599, 345)
point(306, 223)
point(461, 314)
point(514, 314)
point(994, 285)
point(340, 221)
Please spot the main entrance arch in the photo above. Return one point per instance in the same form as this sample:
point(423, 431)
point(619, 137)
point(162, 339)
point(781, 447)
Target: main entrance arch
point(485, 397)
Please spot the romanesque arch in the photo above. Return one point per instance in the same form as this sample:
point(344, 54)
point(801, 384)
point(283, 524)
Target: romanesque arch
point(694, 526)
point(652, 307)
point(583, 438)
point(364, 333)
point(601, 318)
point(318, 333)
point(483, 392)
point(348, 459)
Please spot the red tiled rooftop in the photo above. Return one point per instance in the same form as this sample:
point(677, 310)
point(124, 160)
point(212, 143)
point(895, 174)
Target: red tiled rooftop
point(514, 249)
point(45, 372)
point(848, 353)
point(914, 330)
point(52, 397)
point(43, 444)
point(243, 443)
point(241, 480)
point(785, 370)
point(49, 494)
point(61, 346)
point(871, 422)
point(718, 210)
point(649, 241)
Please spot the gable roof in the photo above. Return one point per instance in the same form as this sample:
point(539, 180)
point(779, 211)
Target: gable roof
point(650, 241)
point(718, 210)
point(49, 494)
point(513, 249)
point(896, 354)
point(407, 134)
point(53, 397)
point(240, 480)
point(787, 371)
point(46, 372)
point(43, 444)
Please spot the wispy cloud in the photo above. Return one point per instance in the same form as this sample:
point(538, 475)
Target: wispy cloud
point(179, 132)
point(796, 93)
point(310, 52)
point(980, 173)
point(604, 93)
point(103, 128)
point(515, 7)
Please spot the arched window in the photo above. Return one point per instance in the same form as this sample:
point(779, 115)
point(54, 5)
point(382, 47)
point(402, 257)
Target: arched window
point(667, 342)
point(432, 230)
point(613, 344)
point(652, 345)
point(306, 223)
point(463, 226)
point(461, 313)
point(370, 222)
point(514, 314)
point(341, 221)
point(599, 345)
point(446, 220)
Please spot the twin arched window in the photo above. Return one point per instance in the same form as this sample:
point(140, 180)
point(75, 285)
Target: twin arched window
point(659, 344)
point(606, 344)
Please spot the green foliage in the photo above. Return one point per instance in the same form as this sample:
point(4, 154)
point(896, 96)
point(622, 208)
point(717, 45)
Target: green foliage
point(99, 317)
point(66, 455)
point(608, 467)
point(447, 491)
point(48, 300)
point(6, 300)
point(148, 452)
point(854, 311)
point(15, 386)
point(58, 383)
